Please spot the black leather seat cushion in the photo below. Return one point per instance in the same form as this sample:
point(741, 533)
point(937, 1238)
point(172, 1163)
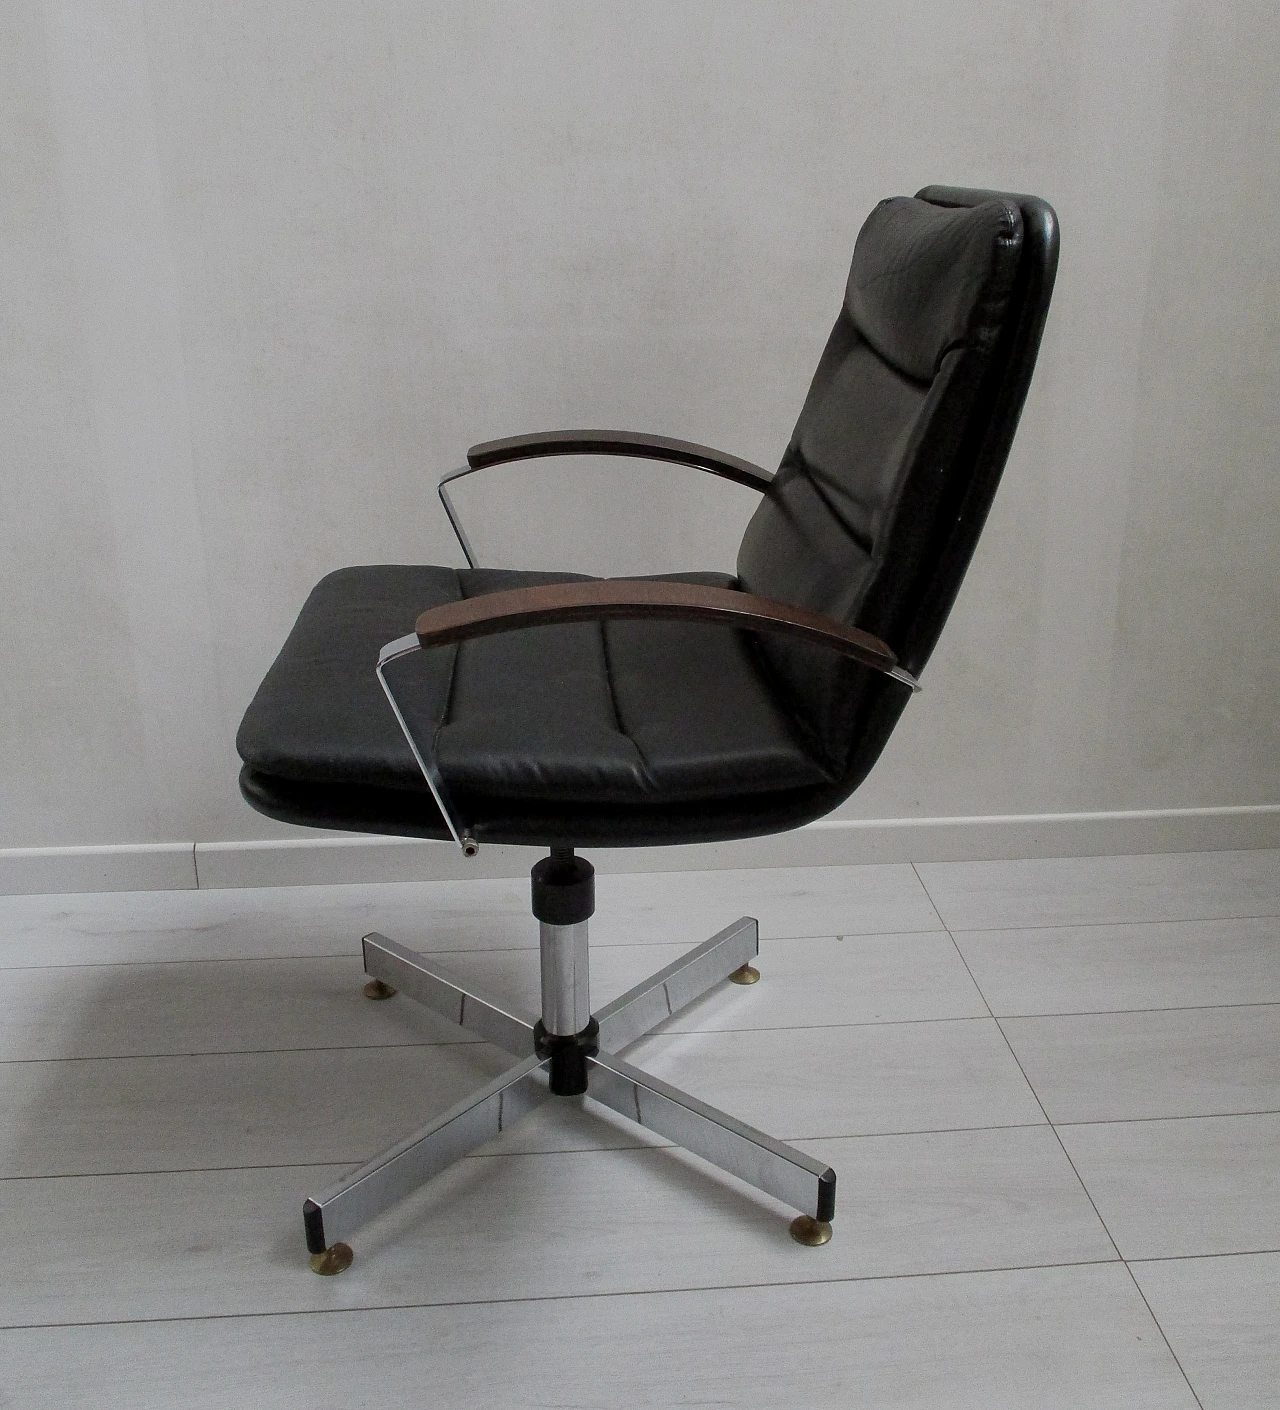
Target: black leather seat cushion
point(619, 712)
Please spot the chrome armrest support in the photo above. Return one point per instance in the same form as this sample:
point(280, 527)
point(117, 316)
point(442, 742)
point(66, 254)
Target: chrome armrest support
point(393, 651)
point(455, 523)
point(624, 443)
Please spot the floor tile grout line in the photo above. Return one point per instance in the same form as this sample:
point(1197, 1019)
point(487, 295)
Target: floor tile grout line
point(1030, 1087)
point(477, 1042)
point(886, 1135)
point(915, 871)
point(531, 949)
point(1061, 1142)
point(680, 1032)
point(976, 986)
point(1164, 1335)
point(191, 1170)
point(1155, 1008)
point(250, 1052)
point(1191, 1116)
point(1088, 1194)
point(570, 1297)
point(641, 944)
point(768, 1028)
point(1112, 921)
point(1036, 1095)
point(1190, 1257)
point(655, 1145)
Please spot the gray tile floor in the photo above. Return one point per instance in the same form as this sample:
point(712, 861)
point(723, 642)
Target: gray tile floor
point(1051, 1090)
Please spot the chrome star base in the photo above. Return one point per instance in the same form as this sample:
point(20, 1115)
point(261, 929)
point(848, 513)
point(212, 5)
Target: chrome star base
point(566, 1036)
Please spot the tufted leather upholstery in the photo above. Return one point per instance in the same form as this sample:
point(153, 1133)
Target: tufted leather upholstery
point(927, 281)
point(584, 713)
point(648, 732)
point(877, 465)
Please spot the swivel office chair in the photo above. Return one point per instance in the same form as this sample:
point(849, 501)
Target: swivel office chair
point(567, 712)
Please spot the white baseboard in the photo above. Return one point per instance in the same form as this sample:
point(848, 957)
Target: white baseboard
point(831, 842)
point(138, 866)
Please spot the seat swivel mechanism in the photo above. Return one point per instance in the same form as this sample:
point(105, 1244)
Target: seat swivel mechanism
point(564, 899)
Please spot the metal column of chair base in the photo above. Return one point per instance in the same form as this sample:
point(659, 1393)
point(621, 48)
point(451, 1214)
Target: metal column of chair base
point(796, 1179)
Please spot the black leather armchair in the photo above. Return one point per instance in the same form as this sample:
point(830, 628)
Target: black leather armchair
point(566, 712)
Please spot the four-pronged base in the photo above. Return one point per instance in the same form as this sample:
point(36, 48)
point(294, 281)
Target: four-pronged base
point(769, 1165)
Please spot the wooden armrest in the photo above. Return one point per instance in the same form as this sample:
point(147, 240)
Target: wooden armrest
point(634, 443)
point(647, 600)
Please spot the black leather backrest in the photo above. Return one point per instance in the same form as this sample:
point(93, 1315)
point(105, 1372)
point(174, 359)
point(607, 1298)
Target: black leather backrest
point(877, 505)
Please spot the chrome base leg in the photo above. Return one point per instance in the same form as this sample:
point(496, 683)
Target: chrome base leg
point(778, 1169)
point(406, 970)
point(769, 1165)
point(657, 998)
point(335, 1212)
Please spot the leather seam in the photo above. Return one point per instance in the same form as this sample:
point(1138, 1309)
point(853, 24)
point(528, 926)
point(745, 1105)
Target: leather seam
point(804, 734)
point(617, 712)
point(1005, 237)
point(448, 694)
point(865, 542)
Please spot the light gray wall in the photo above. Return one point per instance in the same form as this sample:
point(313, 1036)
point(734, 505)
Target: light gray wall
point(269, 266)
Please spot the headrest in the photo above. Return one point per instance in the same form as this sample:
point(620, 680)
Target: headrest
point(926, 279)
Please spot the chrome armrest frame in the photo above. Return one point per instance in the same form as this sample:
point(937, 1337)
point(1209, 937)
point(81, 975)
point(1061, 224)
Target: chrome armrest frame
point(459, 532)
point(464, 543)
point(393, 651)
